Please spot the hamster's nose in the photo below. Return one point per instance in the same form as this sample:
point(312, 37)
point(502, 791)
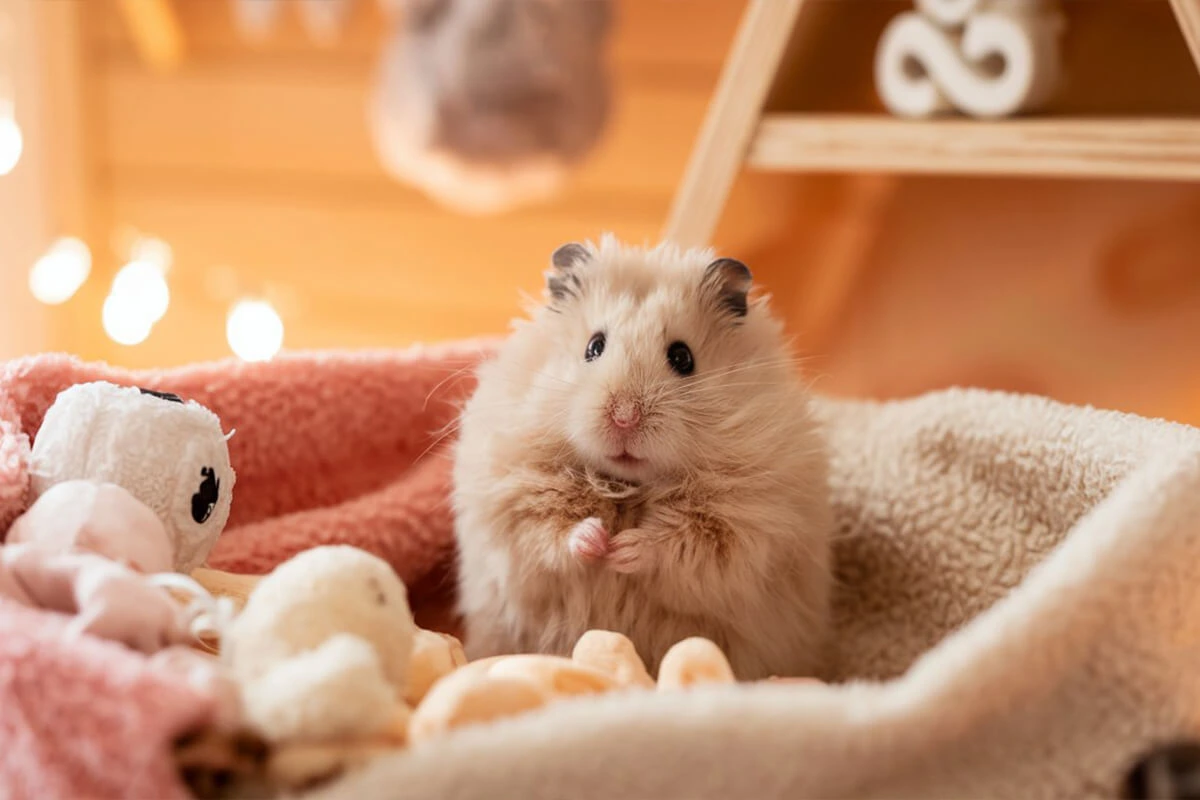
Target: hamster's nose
point(624, 414)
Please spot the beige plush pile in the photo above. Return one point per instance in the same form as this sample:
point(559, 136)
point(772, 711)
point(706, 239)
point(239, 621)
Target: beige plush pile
point(1019, 616)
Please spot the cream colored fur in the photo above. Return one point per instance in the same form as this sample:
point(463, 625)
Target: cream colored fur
point(1018, 616)
point(725, 533)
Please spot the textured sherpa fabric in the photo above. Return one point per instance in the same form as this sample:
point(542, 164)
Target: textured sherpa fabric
point(86, 718)
point(1018, 615)
point(329, 449)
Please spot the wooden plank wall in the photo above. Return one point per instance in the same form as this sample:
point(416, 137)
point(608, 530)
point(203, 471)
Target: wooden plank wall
point(253, 162)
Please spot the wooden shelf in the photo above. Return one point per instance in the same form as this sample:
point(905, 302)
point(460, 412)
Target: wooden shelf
point(1133, 148)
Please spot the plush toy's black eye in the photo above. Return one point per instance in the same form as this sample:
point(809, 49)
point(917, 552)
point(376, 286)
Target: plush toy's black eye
point(170, 398)
point(680, 358)
point(595, 347)
point(205, 500)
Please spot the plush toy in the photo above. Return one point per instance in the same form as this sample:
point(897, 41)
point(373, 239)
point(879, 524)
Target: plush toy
point(169, 454)
point(322, 647)
point(333, 671)
point(108, 599)
point(95, 551)
point(99, 518)
point(487, 105)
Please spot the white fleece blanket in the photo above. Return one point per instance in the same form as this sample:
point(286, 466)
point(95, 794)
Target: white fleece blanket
point(1018, 616)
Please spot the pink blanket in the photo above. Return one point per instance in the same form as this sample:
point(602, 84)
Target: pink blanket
point(330, 448)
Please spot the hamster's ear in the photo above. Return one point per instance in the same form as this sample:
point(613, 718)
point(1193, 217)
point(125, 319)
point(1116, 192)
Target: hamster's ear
point(561, 280)
point(727, 282)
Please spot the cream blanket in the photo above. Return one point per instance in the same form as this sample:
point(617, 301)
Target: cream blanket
point(1018, 616)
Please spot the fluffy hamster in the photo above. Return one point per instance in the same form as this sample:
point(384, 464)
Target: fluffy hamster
point(640, 457)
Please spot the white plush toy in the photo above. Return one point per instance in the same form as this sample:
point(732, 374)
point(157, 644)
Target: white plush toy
point(322, 648)
point(170, 454)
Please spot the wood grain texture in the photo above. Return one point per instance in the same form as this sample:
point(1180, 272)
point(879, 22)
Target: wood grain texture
point(301, 119)
point(1188, 14)
point(252, 159)
point(716, 158)
point(1164, 149)
point(155, 31)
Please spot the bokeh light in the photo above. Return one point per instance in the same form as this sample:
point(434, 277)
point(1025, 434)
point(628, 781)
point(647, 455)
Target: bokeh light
point(254, 330)
point(125, 320)
point(143, 284)
point(11, 144)
point(56, 276)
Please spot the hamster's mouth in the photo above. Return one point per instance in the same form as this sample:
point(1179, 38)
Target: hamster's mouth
point(625, 459)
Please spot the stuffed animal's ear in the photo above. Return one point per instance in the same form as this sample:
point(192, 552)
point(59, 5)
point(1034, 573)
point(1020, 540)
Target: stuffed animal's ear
point(562, 280)
point(727, 282)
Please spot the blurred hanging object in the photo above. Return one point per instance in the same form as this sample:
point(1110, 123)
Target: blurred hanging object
point(488, 104)
point(322, 19)
point(256, 18)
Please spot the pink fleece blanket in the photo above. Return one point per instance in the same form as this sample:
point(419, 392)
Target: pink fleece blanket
point(329, 449)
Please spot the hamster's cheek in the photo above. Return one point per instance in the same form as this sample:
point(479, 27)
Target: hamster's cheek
point(581, 426)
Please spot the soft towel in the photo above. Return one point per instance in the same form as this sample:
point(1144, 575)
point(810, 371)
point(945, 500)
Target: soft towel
point(1018, 617)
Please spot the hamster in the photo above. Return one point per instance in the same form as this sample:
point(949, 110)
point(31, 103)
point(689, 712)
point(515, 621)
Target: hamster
point(639, 456)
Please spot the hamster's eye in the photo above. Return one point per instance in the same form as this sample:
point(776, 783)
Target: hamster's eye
point(679, 356)
point(595, 347)
point(205, 499)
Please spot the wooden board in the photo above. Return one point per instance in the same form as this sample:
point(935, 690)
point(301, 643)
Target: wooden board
point(303, 119)
point(1164, 149)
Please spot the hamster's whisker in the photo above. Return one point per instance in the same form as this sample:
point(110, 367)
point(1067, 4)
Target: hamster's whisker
point(541, 374)
point(458, 373)
point(706, 377)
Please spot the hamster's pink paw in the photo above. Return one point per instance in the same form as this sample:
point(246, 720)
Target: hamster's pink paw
point(630, 552)
point(589, 541)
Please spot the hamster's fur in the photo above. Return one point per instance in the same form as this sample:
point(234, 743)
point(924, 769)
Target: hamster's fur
point(613, 487)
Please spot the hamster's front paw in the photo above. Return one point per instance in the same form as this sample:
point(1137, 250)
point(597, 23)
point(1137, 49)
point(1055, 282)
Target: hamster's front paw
point(588, 541)
point(631, 552)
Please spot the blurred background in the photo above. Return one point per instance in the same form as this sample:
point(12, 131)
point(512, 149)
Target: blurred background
point(186, 180)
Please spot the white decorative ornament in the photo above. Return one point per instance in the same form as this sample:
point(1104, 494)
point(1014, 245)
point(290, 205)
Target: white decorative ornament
point(984, 58)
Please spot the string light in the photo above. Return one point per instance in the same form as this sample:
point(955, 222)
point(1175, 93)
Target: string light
point(254, 330)
point(11, 143)
point(125, 321)
point(156, 251)
point(139, 296)
point(57, 275)
point(11, 140)
point(143, 285)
